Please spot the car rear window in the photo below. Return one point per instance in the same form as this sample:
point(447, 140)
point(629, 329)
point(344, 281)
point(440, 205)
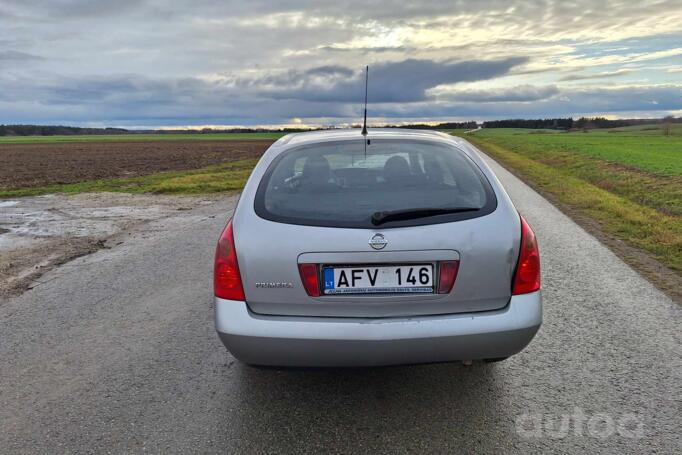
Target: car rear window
point(344, 184)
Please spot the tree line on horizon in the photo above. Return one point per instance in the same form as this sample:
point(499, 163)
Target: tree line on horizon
point(570, 124)
point(56, 130)
point(567, 123)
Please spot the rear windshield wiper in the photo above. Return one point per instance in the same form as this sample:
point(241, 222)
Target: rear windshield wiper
point(411, 214)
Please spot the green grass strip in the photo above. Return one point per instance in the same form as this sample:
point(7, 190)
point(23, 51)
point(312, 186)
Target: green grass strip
point(212, 179)
point(637, 225)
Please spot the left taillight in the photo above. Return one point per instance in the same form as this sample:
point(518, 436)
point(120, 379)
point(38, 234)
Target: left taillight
point(227, 282)
point(311, 279)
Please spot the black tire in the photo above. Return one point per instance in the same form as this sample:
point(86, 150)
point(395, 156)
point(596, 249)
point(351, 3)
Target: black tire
point(498, 359)
point(262, 367)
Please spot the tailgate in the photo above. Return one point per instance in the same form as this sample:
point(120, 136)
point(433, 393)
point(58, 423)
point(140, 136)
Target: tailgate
point(273, 285)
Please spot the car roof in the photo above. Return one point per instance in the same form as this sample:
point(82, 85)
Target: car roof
point(296, 139)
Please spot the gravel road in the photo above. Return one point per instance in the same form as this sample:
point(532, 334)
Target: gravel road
point(116, 352)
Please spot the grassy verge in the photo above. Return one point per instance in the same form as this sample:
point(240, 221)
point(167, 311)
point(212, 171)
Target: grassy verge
point(632, 204)
point(222, 177)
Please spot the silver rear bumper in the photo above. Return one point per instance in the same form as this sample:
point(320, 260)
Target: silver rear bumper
point(316, 341)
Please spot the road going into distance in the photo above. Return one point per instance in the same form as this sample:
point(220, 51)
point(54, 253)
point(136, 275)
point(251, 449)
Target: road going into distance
point(116, 352)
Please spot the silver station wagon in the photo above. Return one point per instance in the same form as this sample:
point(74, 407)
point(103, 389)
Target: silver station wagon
point(396, 247)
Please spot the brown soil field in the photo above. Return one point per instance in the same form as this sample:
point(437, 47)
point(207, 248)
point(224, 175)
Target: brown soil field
point(27, 165)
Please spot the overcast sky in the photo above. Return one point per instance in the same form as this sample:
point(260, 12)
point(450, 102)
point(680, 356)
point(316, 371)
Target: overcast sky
point(178, 63)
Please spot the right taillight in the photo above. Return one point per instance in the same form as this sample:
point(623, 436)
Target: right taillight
point(527, 275)
point(227, 282)
point(447, 275)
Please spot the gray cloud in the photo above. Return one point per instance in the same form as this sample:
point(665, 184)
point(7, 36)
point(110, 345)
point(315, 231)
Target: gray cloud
point(522, 93)
point(139, 101)
point(146, 62)
point(398, 82)
point(390, 82)
point(72, 8)
point(602, 75)
point(568, 102)
point(17, 56)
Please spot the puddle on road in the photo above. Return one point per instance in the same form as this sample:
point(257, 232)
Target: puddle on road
point(69, 226)
point(94, 215)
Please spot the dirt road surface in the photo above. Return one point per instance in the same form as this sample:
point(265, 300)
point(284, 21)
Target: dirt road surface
point(115, 352)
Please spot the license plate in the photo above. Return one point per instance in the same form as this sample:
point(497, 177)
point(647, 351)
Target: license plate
point(413, 278)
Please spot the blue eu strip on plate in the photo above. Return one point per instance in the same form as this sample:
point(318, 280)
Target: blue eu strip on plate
point(329, 278)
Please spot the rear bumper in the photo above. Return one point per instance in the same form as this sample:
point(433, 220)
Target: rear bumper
point(316, 341)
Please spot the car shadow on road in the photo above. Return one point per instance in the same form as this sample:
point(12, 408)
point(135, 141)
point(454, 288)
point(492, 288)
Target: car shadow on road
point(413, 407)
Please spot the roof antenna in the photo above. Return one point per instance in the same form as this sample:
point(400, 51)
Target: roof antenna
point(364, 125)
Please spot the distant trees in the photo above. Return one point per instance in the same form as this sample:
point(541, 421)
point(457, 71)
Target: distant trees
point(552, 123)
point(43, 130)
point(667, 127)
point(458, 126)
point(583, 123)
point(470, 125)
point(587, 123)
